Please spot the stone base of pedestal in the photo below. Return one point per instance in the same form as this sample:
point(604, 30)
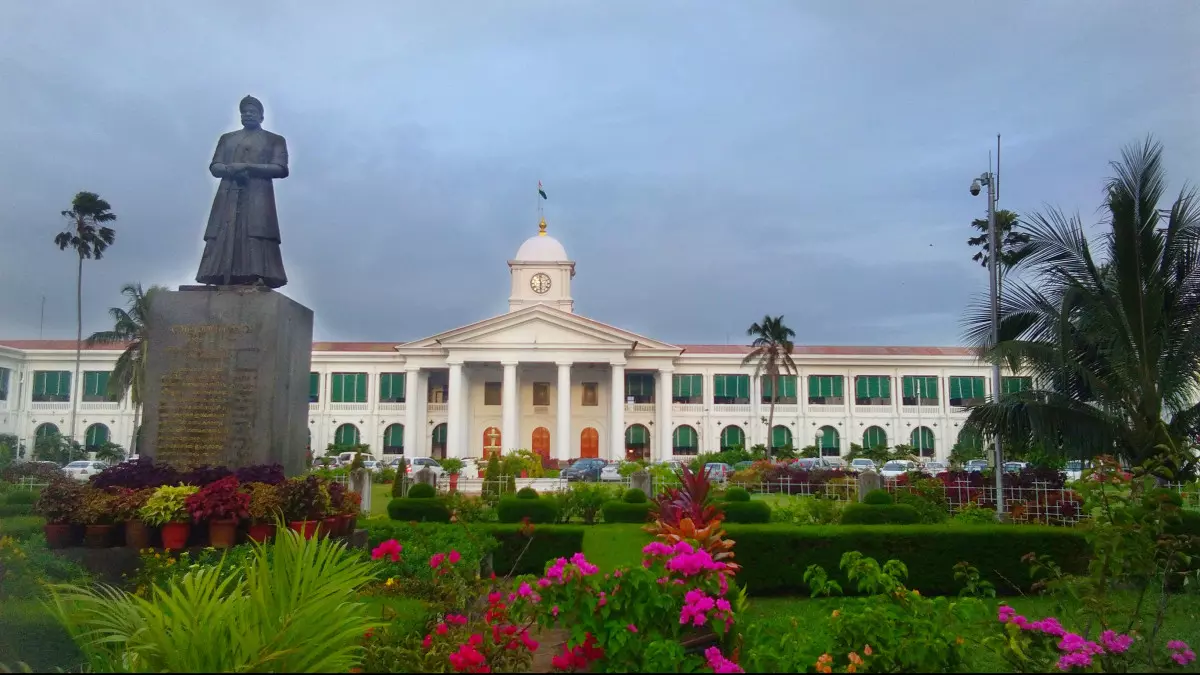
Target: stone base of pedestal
point(227, 378)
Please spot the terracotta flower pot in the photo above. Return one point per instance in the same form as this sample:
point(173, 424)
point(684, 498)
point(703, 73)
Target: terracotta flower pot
point(453, 482)
point(222, 533)
point(137, 535)
point(524, 473)
point(98, 536)
point(175, 535)
point(329, 526)
point(306, 528)
point(59, 535)
point(262, 532)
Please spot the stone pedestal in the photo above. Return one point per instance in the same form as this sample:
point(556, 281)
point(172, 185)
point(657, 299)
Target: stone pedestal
point(227, 378)
point(868, 481)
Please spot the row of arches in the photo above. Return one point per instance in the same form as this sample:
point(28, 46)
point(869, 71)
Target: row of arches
point(95, 436)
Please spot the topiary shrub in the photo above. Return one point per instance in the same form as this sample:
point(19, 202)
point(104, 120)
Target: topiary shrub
point(422, 491)
point(527, 493)
point(626, 512)
point(537, 510)
point(634, 496)
point(398, 481)
point(885, 514)
point(418, 510)
point(747, 512)
point(878, 498)
point(737, 494)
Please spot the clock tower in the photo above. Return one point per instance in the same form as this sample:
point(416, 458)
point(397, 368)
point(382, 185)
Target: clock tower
point(541, 273)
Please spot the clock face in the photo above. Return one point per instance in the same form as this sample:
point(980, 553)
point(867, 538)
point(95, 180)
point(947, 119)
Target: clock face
point(540, 283)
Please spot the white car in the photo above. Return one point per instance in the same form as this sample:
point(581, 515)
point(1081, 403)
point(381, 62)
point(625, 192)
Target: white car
point(419, 463)
point(897, 468)
point(372, 465)
point(934, 468)
point(1075, 469)
point(863, 464)
point(1015, 467)
point(977, 465)
point(84, 469)
point(611, 473)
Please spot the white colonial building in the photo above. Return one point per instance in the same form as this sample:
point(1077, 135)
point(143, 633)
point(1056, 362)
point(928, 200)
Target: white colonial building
point(545, 378)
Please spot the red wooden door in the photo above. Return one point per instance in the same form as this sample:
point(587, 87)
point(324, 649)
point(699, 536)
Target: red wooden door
point(541, 443)
point(589, 443)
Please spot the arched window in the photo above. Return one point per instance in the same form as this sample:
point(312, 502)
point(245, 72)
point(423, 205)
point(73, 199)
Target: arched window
point(922, 440)
point(732, 436)
point(874, 437)
point(347, 434)
point(46, 431)
point(96, 435)
point(637, 442)
point(831, 442)
point(437, 446)
point(969, 439)
point(781, 437)
point(685, 441)
point(393, 439)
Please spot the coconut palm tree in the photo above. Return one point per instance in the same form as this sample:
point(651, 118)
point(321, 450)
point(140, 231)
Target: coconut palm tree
point(772, 356)
point(130, 329)
point(89, 239)
point(1109, 328)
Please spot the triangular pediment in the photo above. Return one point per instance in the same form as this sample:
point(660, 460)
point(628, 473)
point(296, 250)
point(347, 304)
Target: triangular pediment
point(539, 325)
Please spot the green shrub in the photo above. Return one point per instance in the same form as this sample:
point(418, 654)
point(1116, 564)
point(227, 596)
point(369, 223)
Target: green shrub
point(399, 478)
point(521, 553)
point(9, 510)
point(878, 498)
point(774, 557)
point(537, 510)
point(889, 514)
point(747, 512)
point(21, 527)
point(419, 510)
point(527, 493)
point(625, 512)
point(928, 511)
point(20, 497)
point(491, 476)
point(737, 494)
point(422, 491)
point(973, 514)
point(588, 498)
point(634, 496)
point(422, 540)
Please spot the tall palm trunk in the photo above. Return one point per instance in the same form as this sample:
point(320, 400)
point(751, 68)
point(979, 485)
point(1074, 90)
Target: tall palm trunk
point(137, 413)
point(771, 415)
point(75, 383)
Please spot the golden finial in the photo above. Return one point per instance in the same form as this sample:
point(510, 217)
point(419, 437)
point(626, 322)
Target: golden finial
point(542, 227)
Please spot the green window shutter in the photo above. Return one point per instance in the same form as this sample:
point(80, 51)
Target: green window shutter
point(394, 438)
point(360, 390)
point(97, 434)
point(39, 383)
point(335, 387)
point(697, 389)
point(768, 385)
point(732, 435)
point(347, 434)
point(385, 386)
point(908, 386)
point(439, 433)
point(978, 387)
point(930, 388)
point(1013, 385)
point(837, 385)
point(780, 436)
point(874, 436)
point(314, 386)
point(830, 438)
point(814, 386)
point(635, 435)
point(787, 386)
point(956, 387)
point(885, 387)
point(676, 386)
point(719, 385)
point(685, 437)
point(742, 386)
point(861, 387)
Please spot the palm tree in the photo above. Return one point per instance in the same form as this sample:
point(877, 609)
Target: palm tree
point(89, 239)
point(772, 356)
point(130, 328)
point(1109, 329)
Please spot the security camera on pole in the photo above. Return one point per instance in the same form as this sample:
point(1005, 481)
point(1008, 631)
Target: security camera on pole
point(991, 180)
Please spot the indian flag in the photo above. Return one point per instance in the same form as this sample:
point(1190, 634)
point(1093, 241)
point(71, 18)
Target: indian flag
point(540, 190)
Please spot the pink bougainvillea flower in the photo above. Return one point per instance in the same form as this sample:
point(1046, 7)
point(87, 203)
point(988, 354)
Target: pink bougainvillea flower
point(425, 644)
point(632, 628)
point(436, 560)
point(390, 549)
point(441, 629)
point(454, 557)
point(543, 582)
point(524, 590)
point(554, 610)
point(718, 662)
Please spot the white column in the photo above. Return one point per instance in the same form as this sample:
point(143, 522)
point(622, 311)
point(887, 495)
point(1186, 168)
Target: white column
point(508, 408)
point(421, 433)
point(411, 431)
point(617, 421)
point(660, 447)
point(454, 412)
point(564, 433)
point(756, 413)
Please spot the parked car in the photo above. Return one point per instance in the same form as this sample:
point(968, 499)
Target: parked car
point(897, 468)
point(1075, 468)
point(718, 471)
point(976, 465)
point(430, 463)
point(84, 469)
point(586, 469)
point(934, 468)
point(863, 464)
point(611, 473)
point(742, 466)
point(812, 464)
point(835, 462)
point(372, 465)
point(1015, 467)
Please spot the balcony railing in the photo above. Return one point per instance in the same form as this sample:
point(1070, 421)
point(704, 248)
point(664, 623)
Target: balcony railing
point(639, 407)
point(780, 409)
point(391, 406)
point(885, 409)
point(437, 408)
point(818, 408)
point(37, 406)
point(99, 406)
point(920, 410)
point(687, 407)
point(348, 407)
point(732, 408)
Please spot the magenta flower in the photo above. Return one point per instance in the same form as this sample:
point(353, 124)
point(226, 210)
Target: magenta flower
point(524, 590)
point(436, 560)
point(632, 628)
point(390, 548)
point(719, 663)
point(454, 557)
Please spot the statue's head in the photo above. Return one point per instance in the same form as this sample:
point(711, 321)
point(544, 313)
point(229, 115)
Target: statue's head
point(252, 112)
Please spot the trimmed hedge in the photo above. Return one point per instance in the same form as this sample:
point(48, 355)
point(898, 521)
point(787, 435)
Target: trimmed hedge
point(422, 491)
point(878, 498)
point(737, 494)
point(409, 509)
point(516, 509)
point(634, 496)
point(774, 557)
point(9, 510)
point(747, 512)
point(549, 543)
point(625, 512)
point(527, 493)
point(20, 497)
point(886, 514)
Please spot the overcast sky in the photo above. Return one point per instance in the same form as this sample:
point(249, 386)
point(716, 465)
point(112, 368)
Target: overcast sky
point(706, 162)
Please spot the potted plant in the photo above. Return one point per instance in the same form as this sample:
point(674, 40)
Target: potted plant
point(222, 506)
point(304, 503)
point(264, 509)
point(127, 504)
point(331, 524)
point(98, 515)
point(59, 505)
point(167, 508)
point(351, 505)
point(453, 466)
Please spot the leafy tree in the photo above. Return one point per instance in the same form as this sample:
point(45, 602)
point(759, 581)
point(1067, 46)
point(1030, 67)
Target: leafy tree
point(130, 328)
point(1107, 327)
point(1012, 241)
point(110, 452)
point(401, 476)
point(772, 356)
point(88, 239)
point(58, 449)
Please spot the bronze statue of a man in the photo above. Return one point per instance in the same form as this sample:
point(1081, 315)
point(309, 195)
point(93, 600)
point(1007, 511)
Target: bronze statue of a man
point(241, 243)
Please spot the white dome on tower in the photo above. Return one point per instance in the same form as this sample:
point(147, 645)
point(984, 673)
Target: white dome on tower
point(542, 248)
